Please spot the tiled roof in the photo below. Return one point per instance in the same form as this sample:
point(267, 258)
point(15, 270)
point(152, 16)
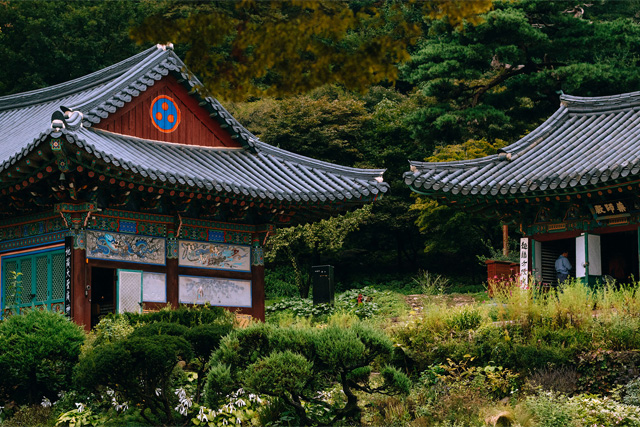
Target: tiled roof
point(257, 170)
point(587, 142)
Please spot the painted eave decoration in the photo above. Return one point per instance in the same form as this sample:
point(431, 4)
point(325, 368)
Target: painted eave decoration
point(142, 125)
point(589, 145)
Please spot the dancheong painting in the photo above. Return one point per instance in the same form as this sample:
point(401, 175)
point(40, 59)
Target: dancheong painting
point(215, 255)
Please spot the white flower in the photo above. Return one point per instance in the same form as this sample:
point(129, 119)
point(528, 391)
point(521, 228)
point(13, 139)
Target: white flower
point(241, 403)
point(238, 421)
point(110, 392)
point(225, 422)
point(181, 393)
point(46, 403)
point(80, 407)
point(158, 391)
point(202, 416)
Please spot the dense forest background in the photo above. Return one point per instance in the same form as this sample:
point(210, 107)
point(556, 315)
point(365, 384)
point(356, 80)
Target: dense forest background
point(383, 82)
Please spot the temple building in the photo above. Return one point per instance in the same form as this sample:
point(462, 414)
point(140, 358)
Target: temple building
point(572, 184)
point(127, 190)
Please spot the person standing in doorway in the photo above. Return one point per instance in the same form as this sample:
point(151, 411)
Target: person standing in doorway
point(563, 267)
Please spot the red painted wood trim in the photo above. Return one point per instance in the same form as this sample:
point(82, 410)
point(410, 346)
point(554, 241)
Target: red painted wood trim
point(81, 303)
point(173, 288)
point(196, 126)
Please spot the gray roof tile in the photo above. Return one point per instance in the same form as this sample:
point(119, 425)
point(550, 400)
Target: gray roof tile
point(257, 170)
point(586, 142)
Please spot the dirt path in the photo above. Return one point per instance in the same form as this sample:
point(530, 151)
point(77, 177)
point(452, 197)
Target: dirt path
point(416, 302)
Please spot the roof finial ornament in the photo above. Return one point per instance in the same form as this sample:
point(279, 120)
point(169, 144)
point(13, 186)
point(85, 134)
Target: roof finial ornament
point(165, 46)
point(57, 120)
point(72, 119)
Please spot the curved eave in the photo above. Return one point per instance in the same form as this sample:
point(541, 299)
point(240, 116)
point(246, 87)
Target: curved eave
point(262, 176)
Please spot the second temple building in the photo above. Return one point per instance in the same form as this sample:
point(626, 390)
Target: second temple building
point(572, 184)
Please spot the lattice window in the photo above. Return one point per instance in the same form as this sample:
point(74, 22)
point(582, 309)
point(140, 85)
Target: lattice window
point(9, 282)
point(57, 275)
point(129, 291)
point(27, 279)
point(42, 278)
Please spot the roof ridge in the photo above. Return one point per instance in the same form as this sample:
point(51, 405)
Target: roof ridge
point(585, 104)
point(60, 90)
point(120, 82)
point(263, 147)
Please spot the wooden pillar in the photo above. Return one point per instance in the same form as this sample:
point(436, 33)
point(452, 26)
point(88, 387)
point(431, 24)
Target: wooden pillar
point(257, 291)
point(80, 294)
point(505, 240)
point(257, 277)
point(172, 282)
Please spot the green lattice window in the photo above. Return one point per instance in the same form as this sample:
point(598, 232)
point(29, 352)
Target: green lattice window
point(33, 279)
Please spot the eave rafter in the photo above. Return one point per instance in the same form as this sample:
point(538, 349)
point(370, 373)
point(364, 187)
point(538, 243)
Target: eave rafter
point(72, 174)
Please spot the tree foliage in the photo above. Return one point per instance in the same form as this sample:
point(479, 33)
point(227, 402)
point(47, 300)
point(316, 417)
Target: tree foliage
point(303, 244)
point(500, 78)
point(44, 42)
point(278, 48)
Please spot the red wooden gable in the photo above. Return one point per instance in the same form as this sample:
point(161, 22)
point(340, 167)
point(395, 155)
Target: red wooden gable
point(153, 115)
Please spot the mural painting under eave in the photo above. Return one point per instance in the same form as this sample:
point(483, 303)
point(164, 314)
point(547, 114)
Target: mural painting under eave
point(125, 247)
point(215, 255)
point(215, 291)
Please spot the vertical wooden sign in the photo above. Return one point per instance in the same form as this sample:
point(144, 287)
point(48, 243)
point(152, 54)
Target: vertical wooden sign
point(68, 250)
point(524, 263)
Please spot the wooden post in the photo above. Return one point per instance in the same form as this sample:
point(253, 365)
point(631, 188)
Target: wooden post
point(505, 240)
point(80, 295)
point(257, 291)
point(257, 276)
point(172, 282)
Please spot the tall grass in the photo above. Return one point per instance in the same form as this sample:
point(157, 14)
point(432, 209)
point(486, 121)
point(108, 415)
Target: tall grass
point(528, 329)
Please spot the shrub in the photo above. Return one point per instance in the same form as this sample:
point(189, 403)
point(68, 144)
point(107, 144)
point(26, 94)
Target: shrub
point(600, 371)
point(37, 353)
point(603, 412)
point(463, 318)
point(160, 328)
point(139, 369)
point(110, 329)
point(187, 316)
point(204, 339)
point(35, 415)
point(295, 364)
point(550, 409)
point(280, 282)
point(632, 392)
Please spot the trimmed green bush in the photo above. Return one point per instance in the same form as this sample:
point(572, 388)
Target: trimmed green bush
point(138, 368)
point(296, 364)
point(204, 339)
point(160, 328)
point(37, 353)
point(187, 316)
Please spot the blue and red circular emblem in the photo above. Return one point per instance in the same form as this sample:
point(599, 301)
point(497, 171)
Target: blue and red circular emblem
point(165, 114)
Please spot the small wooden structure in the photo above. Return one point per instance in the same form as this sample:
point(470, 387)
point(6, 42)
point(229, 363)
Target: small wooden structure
point(126, 190)
point(572, 184)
